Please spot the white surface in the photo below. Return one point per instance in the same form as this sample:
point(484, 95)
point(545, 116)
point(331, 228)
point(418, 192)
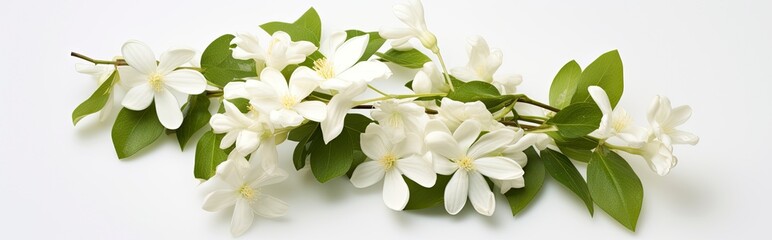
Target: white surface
point(63, 182)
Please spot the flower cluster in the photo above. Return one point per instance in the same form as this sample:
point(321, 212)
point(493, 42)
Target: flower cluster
point(464, 134)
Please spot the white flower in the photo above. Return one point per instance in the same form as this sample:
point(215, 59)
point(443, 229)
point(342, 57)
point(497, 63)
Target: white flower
point(391, 159)
point(283, 101)
point(659, 156)
point(337, 108)
point(615, 123)
point(514, 151)
point(149, 81)
point(399, 117)
point(251, 132)
point(341, 67)
point(469, 160)
point(429, 80)
point(483, 63)
point(279, 53)
point(101, 73)
point(453, 113)
point(241, 184)
point(412, 14)
point(664, 119)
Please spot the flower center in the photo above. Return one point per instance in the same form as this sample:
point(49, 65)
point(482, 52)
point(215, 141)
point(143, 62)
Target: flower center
point(395, 120)
point(465, 163)
point(248, 192)
point(324, 68)
point(621, 122)
point(156, 81)
point(388, 161)
point(288, 101)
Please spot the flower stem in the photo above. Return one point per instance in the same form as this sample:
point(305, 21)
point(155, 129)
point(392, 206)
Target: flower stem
point(117, 62)
point(399, 96)
point(525, 99)
point(622, 148)
point(445, 70)
point(376, 90)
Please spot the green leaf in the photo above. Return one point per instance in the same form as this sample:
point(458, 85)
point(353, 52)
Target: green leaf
point(356, 124)
point(303, 131)
point(96, 101)
point(359, 157)
point(481, 91)
point(605, 72)
point(307, 28)
point(519, 198)
point(208, 156)
point(305, 134)
point(135, 130)
point(421, 197)
point(577, 120)
point(581, 155)
point(615, 187)
point(220, 67)
point(561, 169)
point(197, 117)
point(332, 160)
point(409, 59)
point(564, 84)
point(375, 43)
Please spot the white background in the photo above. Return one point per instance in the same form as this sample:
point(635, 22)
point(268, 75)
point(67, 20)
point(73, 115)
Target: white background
point(63, 182)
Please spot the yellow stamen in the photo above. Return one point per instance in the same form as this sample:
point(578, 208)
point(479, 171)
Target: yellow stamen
point(388, 161)
point(247, 192)
point(156, 81)
point(465, 163)
point(288, 101)
point(324, 68)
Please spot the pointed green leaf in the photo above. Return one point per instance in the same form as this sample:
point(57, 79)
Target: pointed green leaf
point(605, 72)
point(615, 187)
point(197, 117)
point(577, 120)
point(421, 197)
point(409, 59)
point(208, 156)
point(135, 130)
point(332, 160)
point(564, 84)
point(307, 28)
point(486, 93)
point(375, 43)
point(519, 198)
point(96, 101)
point(561, 169)
point(304, 135)
point(220, 67)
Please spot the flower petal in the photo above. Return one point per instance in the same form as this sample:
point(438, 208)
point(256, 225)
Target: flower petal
point(442, 165)
point(480, 195)
point(395, 191)
point(349, 53)
point(247, 142)
point(601, 98)
point(139, 97)
point(681, 137)
point(366, 71)
point(367, 174)
point(498, 167)
point(242, 217)
point(418, 170)
point(139, 56)
point(466, 133)
point(130, 77)
point(443, 144)
point(268, 206)
point(678, 116)
point(275, 79)
point(373, 146)
point(301, 86)
point(186, 81)
point(456, 192)
point(168, 109)
point(491, 142)
point(286, 118)
point(312, 110)
point(219, 200)
point(331, 43)
point(174, 58)
point(337, 108)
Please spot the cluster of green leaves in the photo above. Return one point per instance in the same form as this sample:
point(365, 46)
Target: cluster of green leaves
point(334, 159)
point(611, 184)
